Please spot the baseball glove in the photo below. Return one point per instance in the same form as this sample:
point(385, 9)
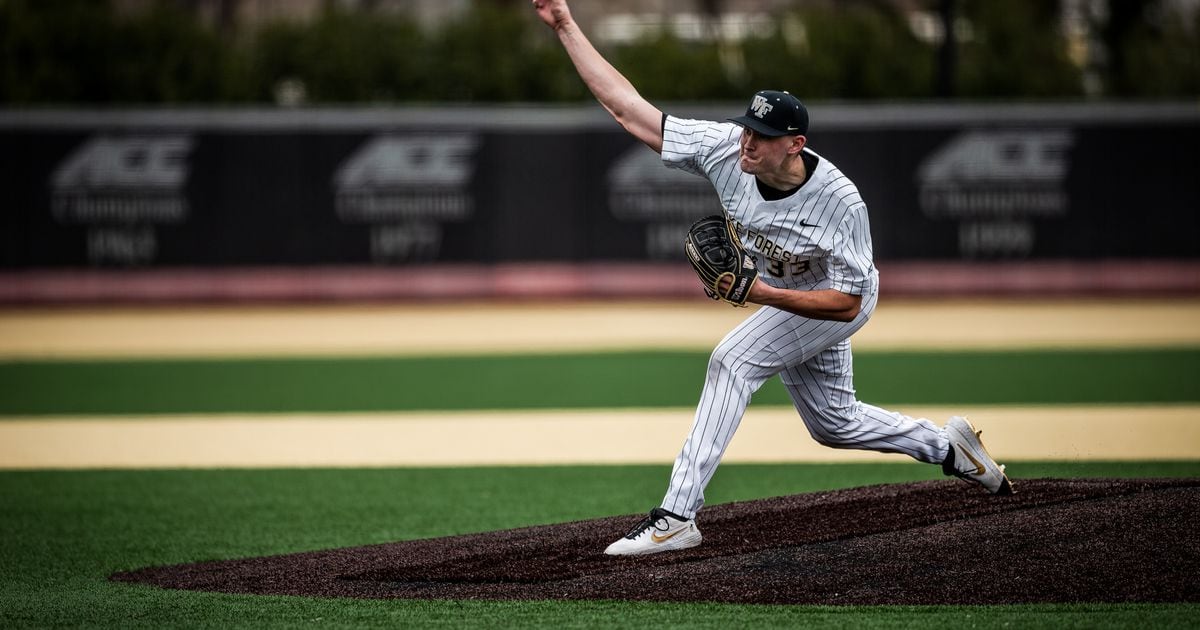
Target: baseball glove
point(715, 253)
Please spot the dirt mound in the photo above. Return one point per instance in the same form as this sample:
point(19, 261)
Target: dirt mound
point(943, 542)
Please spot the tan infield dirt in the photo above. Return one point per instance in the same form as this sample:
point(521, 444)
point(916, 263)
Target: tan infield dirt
point(939, 542)
point(768, 434)
point(472, 328)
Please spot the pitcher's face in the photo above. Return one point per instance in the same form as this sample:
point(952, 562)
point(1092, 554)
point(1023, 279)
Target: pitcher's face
point(761, 154)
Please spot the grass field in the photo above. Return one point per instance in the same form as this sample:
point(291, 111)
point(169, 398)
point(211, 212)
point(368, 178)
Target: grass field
point(63, 532)
point(574, 380)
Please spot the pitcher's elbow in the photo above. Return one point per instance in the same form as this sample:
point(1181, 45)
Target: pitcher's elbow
point(851, 311)
point(847, 316)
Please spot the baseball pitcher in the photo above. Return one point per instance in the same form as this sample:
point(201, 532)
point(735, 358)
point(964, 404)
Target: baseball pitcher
point(794, 237)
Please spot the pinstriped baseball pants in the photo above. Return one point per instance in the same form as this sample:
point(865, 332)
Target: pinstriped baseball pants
point(812, 358)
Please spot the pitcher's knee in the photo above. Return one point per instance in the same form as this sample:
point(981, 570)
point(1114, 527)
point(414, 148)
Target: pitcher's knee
point(837, 428)
point(725, 358)
point(742, 354)
point(741, 362)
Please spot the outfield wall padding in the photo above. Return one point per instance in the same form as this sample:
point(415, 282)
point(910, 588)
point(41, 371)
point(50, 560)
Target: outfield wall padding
point(100, 195)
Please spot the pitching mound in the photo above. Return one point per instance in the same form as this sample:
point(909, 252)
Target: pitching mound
point(944, 542)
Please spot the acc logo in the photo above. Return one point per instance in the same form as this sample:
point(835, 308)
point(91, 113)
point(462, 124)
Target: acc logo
point(118, 188)
point(400, 161)
point(996, 184)
point(405, 186)
point(760, 106)
point(997, 174)
point(133, 179)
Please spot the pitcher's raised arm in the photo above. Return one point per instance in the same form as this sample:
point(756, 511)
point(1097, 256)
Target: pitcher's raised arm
point(609, 86)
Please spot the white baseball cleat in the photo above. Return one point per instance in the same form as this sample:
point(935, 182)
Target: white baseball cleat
point(969, 460)
point(658, 532)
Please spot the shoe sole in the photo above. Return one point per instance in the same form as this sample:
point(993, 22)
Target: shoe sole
point(973, 436)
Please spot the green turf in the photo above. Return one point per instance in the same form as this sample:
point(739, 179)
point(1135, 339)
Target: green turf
point(645, 379)
point(62, 533)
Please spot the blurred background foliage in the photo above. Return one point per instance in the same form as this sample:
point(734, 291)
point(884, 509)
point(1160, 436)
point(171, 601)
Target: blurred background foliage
point(85, 51)
point(1016, 50)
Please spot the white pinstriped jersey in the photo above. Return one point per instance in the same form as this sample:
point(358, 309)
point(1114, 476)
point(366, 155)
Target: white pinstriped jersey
point(818, 237)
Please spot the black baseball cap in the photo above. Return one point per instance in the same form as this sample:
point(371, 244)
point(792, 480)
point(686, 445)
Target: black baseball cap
point(775, 114)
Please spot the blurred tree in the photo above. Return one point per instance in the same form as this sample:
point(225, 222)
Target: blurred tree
point(78, 51)
point(343, 57)
point(856, 51)
point(497, 53)
point(49, 53)
point(166, 56)
point(664, 67)
point(878, 55)
point(1152, 51)
point(1016, 50)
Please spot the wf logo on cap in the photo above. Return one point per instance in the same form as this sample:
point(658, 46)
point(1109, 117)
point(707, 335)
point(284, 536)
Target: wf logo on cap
point(773, 114)
point(760, 106)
